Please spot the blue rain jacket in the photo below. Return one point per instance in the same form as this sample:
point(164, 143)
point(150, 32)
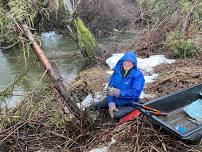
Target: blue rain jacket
point(130, 86)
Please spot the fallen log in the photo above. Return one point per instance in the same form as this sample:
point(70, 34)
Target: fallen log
point(53, 74)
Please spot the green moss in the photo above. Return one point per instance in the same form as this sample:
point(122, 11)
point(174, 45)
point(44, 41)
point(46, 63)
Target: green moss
point(85, 37)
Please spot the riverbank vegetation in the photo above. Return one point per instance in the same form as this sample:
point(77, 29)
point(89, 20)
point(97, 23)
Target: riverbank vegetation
point(14, 14)
point(159, 24)
point(40, 122)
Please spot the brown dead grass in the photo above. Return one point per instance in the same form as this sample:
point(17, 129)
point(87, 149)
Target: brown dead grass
point(92, 80)
point(181, 74)
point(141, 135)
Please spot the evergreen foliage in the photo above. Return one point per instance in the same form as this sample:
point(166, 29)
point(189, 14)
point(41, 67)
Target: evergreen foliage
point(181, 46)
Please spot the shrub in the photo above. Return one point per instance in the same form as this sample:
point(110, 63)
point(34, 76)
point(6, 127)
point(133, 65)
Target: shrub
point(103, 16)
point(181, 45)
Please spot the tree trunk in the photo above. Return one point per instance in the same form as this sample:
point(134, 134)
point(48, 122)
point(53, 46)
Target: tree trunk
point(81, 35)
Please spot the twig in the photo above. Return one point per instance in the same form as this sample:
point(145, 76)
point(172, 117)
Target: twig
point(22, 102)
point(12, 132)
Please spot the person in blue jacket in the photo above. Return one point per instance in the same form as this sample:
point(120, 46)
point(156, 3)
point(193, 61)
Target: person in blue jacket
point(125, 86)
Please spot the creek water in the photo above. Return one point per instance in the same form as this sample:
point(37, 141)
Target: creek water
point(57, 48)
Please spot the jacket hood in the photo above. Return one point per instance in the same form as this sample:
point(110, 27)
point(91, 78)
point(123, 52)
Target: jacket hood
point(130, 56)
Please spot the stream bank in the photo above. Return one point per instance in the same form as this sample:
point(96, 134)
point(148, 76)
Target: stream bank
point(128, 137)
point(38, 123)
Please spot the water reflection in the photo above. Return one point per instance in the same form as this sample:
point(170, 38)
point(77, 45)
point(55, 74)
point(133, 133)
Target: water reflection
point(57, 48)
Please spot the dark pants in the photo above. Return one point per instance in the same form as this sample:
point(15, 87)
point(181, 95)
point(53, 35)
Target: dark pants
point(123, 110)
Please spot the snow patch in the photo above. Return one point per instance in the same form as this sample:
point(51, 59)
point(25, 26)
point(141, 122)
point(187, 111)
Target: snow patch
point(148, 96)
point(90, 99)
point(146, 65)
point(150, 78)
point(113, 141)
point(105, 148)
point(110, 72)
point(111, 61)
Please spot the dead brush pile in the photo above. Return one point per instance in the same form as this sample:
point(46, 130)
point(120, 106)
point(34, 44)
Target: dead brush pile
point(141, 134)
point(89, 81)
point(183, 73)
point(39, 123)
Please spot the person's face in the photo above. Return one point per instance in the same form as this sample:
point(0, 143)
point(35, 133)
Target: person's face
point(127, 65)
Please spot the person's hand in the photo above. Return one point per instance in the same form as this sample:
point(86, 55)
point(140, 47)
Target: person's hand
point(112, 108)
point(113, 91)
